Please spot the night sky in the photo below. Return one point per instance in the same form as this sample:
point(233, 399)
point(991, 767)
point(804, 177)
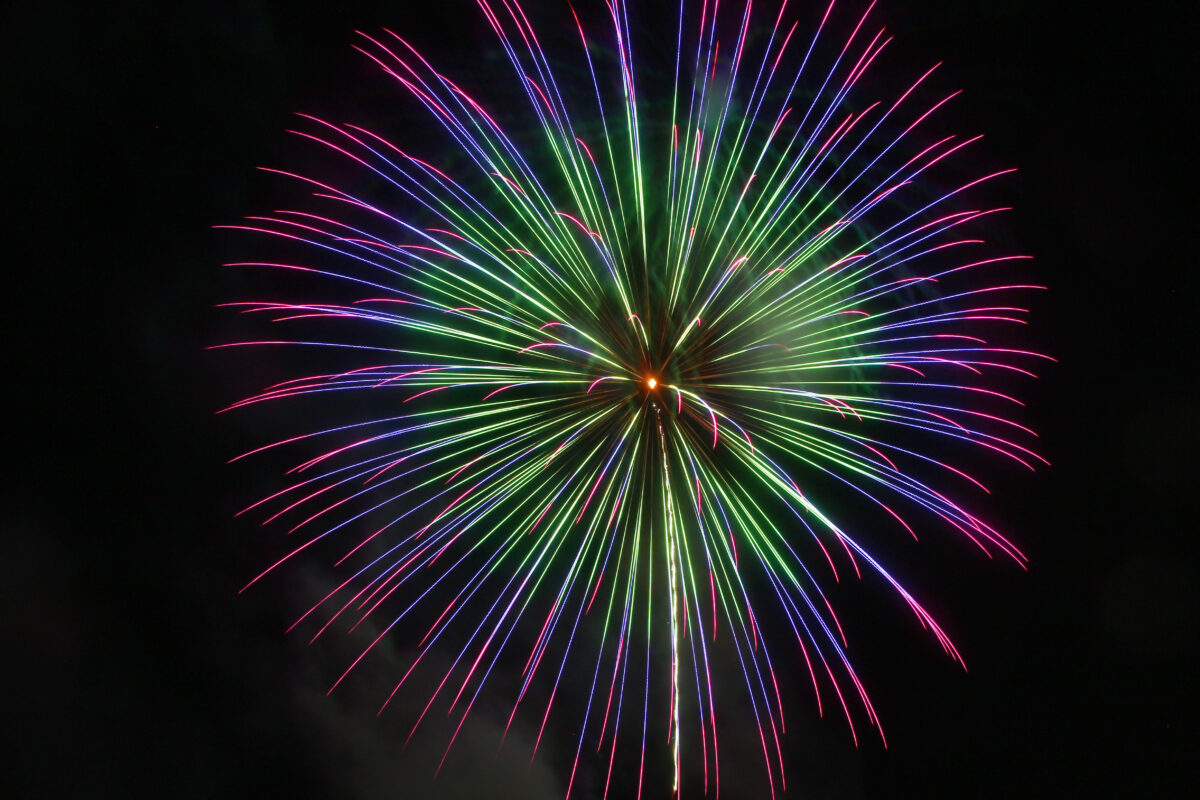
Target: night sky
point(132, 667)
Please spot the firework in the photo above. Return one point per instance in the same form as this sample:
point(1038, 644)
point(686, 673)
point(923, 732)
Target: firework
point(633, 363)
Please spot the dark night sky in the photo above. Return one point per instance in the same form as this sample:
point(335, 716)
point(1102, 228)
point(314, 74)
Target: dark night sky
point(132, 666)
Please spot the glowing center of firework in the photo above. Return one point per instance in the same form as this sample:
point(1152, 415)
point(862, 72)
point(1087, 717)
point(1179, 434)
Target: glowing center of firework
point(652, 382)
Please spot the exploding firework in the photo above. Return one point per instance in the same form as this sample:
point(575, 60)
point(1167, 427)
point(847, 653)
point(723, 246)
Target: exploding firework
point(630, 365)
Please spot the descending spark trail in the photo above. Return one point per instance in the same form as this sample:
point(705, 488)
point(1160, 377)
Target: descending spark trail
point(633, 374)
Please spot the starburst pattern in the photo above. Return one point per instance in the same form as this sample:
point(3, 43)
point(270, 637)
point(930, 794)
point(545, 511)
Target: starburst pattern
point(635, 373)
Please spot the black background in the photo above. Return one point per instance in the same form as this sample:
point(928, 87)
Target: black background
point(133, 666)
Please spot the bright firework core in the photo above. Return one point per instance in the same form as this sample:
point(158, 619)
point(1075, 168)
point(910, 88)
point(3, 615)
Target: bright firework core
point(652, 382)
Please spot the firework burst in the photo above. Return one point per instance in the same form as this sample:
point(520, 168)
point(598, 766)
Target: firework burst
point(624, 373)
